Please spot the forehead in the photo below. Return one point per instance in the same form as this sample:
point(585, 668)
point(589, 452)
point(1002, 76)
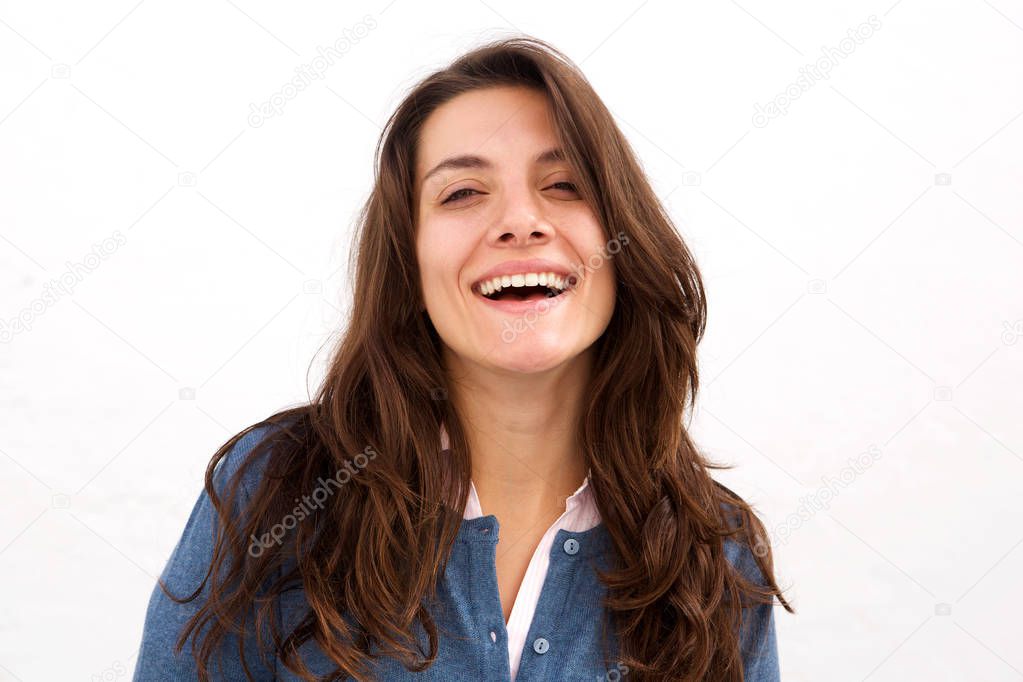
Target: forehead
point(492, 122)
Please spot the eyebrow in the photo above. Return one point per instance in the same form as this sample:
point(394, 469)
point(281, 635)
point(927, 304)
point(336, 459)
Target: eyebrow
point(473, 161)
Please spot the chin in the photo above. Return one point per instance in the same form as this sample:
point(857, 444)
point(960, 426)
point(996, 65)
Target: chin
point(525, 358)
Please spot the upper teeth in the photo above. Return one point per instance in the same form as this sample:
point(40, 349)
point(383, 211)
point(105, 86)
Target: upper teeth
point(527, 279)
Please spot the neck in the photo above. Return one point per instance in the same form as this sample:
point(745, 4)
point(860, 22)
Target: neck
point(522, 431)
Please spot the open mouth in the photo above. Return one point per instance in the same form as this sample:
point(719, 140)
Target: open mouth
point(525, 287)
point(523, 294)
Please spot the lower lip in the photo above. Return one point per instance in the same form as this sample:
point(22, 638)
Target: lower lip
point(516, 307)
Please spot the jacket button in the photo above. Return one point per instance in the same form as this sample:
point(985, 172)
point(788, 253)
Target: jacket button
point(541, 645)
point(571, 546)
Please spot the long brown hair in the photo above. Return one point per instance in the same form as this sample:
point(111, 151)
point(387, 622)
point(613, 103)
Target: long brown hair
point(368, 558)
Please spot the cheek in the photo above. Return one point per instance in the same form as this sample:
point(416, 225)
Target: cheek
point(430, 247)
point(428, 261)
point(597, 259)
point(440, 256)
point(600, 266)
point(606, 282)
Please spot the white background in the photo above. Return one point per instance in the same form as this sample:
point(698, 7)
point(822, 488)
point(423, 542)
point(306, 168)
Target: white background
point(863, 255)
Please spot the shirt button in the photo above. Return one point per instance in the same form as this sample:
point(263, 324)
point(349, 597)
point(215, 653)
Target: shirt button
point(493, 636)
point(541, 645)
point(571, 546)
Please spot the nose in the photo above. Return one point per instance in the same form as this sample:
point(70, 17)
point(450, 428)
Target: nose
point(521, 221)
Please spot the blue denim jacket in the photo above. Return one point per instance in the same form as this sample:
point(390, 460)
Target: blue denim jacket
point(564, 640)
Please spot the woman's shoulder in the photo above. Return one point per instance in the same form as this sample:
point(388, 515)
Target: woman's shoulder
point(248, 453)
point(748, 551)
point(749, 540)
point(238, 466)
point(247, 456)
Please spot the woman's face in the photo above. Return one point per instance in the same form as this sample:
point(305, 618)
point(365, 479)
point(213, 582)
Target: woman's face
point(492, 194)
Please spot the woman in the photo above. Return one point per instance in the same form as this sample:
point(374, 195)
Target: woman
point(494, 481)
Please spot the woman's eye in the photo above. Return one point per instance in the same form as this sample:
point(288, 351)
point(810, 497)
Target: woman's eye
point(457, 194)
point(460, 194)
